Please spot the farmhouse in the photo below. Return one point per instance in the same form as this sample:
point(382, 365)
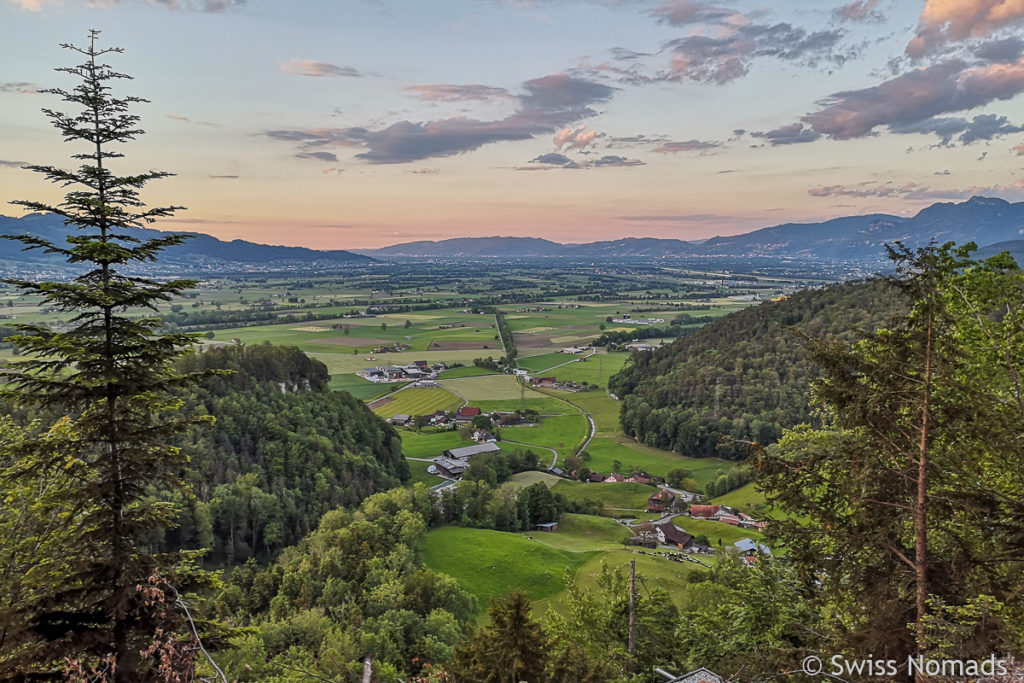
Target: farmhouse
point(466, 414)
point(660, 501)
point(748, 546)
point(401, 419)
point(450, 468)
point(639, 346)
point(704, 511)
point(467, 452)
point(669, 534)
point(614, 478)
point(482, 436)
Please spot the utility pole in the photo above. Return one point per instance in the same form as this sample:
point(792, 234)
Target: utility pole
point(630, 664)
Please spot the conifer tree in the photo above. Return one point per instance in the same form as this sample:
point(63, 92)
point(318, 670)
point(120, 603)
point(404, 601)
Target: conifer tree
point(908, 515)
point(110, 371)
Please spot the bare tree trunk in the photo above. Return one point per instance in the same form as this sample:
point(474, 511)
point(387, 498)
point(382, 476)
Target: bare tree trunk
point(921, 503)
point(368, 669)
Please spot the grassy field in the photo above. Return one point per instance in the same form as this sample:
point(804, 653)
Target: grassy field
point(429, 444)
point(417, 401)
point(543, 361)
point(563, 433)
point(419, 473)
point(604, 409)
point(542, 404)
point(604, 451)
point(583, 532)
point(618, 500)
point(359, 387)
point(490, 387)
point(342, 363)
point(715, 531)
point(492, 563)
point(532, 477)
point(651, 571)
point(743, 498)
point(467, 371)
point(594, 370)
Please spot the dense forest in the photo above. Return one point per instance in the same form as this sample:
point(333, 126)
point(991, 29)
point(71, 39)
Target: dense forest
point(746, 376)
point(285, 451)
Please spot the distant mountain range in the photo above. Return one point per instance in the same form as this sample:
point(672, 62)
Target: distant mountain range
point(202, 253)
point(994, 224)
point(983, 220)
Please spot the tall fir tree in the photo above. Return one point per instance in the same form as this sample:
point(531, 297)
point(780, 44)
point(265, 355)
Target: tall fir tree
point(110, 370)
point(906, 499)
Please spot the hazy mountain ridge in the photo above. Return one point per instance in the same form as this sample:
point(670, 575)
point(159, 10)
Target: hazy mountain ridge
point(984, 220)
point(201, 252)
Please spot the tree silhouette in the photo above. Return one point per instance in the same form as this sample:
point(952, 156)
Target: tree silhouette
point(110, 371)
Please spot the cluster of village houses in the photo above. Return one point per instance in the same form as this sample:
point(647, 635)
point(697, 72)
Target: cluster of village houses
point(417, 370)
point(626, 319)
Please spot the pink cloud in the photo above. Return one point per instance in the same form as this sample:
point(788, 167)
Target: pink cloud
point(311, 67)
point(571, 138)
point(944, 21)
point(446, 92)
point(1019, 150)
point(33, 5)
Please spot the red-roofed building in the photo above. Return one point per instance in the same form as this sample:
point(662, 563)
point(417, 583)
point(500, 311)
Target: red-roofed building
point(660, 500)
point(596, 478)
point(704, 511)
point(614, 478)
point(467, 414)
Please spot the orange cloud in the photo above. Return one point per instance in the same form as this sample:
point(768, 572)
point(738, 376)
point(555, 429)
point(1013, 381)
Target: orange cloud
point(945, 21)
point(33, 5)
point(577, 138)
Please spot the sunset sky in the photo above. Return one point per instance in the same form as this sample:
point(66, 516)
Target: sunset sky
point(363, 123)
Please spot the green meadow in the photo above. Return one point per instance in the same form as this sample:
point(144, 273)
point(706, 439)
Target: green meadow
point(492, 563)
point(583, 532)
point(564, 433)
point(418, 470)
point(625, 499)
point(604, 451)
point(416, 401)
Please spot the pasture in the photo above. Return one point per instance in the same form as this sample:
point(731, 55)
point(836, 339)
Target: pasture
point(419, 474)
point(429, 444)
point(492, 563)
point(489, 387)
point(604, 451)
point(416, 401)
point(625, 499)
point(583, 532)
point(532, 477)
point(719, 533)
point(595, 369)
point(564, 433)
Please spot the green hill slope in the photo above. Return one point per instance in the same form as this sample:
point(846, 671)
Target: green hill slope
point(745, 376)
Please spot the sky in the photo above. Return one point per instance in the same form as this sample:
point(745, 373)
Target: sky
point(361, 123)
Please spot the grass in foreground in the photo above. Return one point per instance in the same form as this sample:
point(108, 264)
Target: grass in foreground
point(618, 500)
point(419, 473)
point(582, 533)
point(491, 563)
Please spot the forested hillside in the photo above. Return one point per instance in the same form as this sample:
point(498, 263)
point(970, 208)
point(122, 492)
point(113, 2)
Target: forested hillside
point(746, 376)
point(285, 451)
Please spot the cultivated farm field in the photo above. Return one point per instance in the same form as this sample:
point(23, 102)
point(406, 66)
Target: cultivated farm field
point(417, 401)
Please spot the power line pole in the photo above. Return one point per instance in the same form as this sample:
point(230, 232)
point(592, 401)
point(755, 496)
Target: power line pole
point(630, 664)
